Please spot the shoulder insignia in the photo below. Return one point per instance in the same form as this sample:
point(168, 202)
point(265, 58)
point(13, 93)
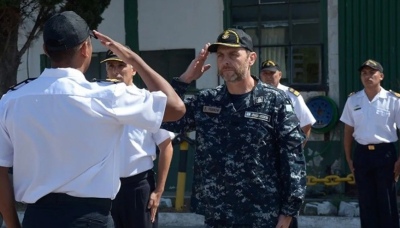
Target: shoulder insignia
point(351, 94)
point(21, 84)
point(395, 93)
point(113, 81)
point(295, 92)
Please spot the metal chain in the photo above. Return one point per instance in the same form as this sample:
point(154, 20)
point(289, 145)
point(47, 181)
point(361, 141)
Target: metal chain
point(330, 180)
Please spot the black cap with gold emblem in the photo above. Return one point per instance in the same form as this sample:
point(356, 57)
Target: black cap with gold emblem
point(111, 56)
point(373, 64)
point(270, 66)
point(232, 38)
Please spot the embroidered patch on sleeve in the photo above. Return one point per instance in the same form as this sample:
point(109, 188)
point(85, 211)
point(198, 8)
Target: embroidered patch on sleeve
point(289, 108)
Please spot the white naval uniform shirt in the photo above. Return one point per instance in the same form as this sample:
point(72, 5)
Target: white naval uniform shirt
point(59, 132)
point(138, 149)
point(373, 121)
point(303, 113)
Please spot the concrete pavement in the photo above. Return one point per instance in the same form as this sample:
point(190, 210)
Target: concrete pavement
point(179, 220)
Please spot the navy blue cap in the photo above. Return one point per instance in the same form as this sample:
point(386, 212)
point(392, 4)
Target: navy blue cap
point(64, 31)
point(373, 64)
point(270, 65)
point(232, 38)
point(112, 56)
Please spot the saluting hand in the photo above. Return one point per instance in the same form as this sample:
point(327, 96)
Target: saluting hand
point(196, 68)
point(120, 50)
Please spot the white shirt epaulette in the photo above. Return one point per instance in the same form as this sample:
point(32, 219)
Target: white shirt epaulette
point(108, 80)
point(351, 94)
point(21, 84)
point(396, 94)
point(295, 92)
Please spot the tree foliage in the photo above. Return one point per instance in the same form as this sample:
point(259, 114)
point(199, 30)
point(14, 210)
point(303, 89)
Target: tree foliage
point(21, 22)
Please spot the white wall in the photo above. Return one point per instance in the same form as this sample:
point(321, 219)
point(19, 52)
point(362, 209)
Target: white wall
point(176, 24)
point(112, 25)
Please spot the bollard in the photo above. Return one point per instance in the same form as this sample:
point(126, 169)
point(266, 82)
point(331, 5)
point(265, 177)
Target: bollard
point(180, 186)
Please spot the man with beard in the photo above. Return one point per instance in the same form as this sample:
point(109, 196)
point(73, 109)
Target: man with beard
point(372, 117)
point(249, 168)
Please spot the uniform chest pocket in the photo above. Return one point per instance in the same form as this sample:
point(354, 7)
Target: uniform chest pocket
point(382, 116)
point(358, 116)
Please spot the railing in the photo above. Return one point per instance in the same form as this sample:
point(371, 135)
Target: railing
point(330, 180)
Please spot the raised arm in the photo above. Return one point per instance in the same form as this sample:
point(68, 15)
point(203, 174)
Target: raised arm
point(175, 108)
point(197, 67)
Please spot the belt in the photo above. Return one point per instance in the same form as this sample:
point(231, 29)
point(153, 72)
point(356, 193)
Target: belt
point(62, 198)
point(138, 177)
point(379, 146)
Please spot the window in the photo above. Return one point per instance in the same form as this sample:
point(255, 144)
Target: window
point(169, 63)
point(287, 32)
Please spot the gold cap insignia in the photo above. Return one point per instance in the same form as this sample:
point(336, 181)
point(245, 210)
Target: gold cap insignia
point(225, 35)
point(371, 62)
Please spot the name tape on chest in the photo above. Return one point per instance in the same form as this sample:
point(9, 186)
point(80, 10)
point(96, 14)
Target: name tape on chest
point(257, 115)
point(211, 109)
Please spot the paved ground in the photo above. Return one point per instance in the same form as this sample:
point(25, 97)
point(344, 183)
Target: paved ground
point(179, 220)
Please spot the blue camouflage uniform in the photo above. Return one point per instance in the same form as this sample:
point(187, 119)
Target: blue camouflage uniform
point(249, 163)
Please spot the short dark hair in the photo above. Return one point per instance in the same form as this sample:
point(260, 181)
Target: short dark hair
point(64, 55)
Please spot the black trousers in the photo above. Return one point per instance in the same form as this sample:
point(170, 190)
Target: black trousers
point(129, 208)
point(373, 171)
point(64, 211)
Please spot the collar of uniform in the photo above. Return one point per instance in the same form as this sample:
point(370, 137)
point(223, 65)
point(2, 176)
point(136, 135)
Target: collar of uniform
point(382, 94)
point(222, 95)
point(258, 92)
point(62, 73)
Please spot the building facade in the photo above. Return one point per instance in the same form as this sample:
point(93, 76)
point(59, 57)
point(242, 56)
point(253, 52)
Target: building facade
point(319, 44)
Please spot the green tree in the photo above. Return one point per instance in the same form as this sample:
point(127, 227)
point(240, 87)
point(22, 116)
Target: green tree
point(21, 22)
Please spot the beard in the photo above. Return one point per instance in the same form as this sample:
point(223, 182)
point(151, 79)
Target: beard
point(235, 75)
